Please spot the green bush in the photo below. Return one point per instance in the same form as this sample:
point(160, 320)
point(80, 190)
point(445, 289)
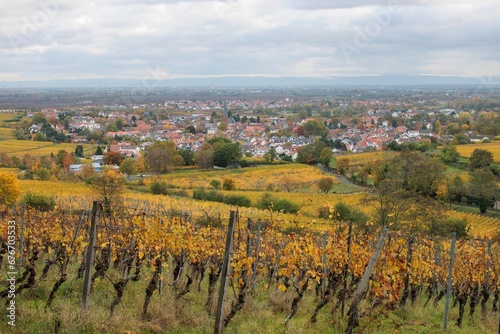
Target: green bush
point(215, 196)
point(162, 188)
point(212, 195)
point(445, 228)
point(159, 188)
point(40, 202)
point(215, 184)
point(268, 201)
point(228, 184)
point(238, 200)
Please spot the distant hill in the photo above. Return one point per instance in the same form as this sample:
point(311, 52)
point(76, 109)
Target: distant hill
point(260, 81)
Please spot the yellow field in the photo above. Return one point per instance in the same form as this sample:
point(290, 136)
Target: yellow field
point(259, 178)
point(466, 150)
point(310, 202)
point(39, 148)
point(6, 133)
point(6, 116)
point(51, 188)
point(7, 169)
point(364, 158)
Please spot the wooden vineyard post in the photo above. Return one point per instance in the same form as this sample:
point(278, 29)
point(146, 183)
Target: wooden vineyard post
point(257, 250)
point(323, 285)
point(486, 287)
point(219, 315)
point(87, 281)
point(346, 269)
point(450, 275)
point(353, 315)
point(21, 241)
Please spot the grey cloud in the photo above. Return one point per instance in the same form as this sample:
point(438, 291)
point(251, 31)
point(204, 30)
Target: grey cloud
point(209, 38)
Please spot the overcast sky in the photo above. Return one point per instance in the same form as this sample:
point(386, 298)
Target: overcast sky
point(141, 39)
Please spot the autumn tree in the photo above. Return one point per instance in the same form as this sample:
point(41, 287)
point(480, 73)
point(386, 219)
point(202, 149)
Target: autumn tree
point(9, 188)
point(228, 184)
point(204, 158)
point(162, 157)
point(270, 156)
point(315, 128)
point(128, 166)
point(450, 154)
point(343, 165)
point(413, 171)
point(483, 187)
point(325, 157)
point(480, 158)
point(112, 158)
point(64, 159)
point(225, 152)
point(310, 154)
point(109, 188)
point(288, 183)
point(187, 155)
point(325, 184)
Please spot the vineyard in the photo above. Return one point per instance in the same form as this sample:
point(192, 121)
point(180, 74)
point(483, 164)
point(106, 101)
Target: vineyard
point(310, 203)
point(40, 148)
point(479, 225)
point(6, 133)
point(152, 267)
point(290, 177)
point(366, 157)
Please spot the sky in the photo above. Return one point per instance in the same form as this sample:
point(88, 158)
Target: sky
point(153, 39)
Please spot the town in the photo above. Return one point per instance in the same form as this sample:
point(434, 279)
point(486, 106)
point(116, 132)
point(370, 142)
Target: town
point(352, 120)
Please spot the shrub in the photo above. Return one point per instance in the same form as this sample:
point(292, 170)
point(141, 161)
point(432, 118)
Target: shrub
point(268, 201)
point(445, 228)
point(40, 202)
point(212, 195)
point(215, 196)
point(159, 188)
point(238, 200)
point(325, 184)
point(228, 184)
point(215, 184)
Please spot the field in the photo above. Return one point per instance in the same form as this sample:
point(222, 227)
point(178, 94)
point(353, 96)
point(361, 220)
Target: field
point(295, 177)
point(6, 133)
point(364, 158)
point(7, 116)
point(39, 148)
point(466, 150)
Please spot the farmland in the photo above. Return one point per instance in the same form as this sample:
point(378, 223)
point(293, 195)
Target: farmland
point(40, 148)
point(275, 178)
point(466, 150)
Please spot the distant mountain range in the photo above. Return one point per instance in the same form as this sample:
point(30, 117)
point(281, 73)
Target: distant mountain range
point(259, 81)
